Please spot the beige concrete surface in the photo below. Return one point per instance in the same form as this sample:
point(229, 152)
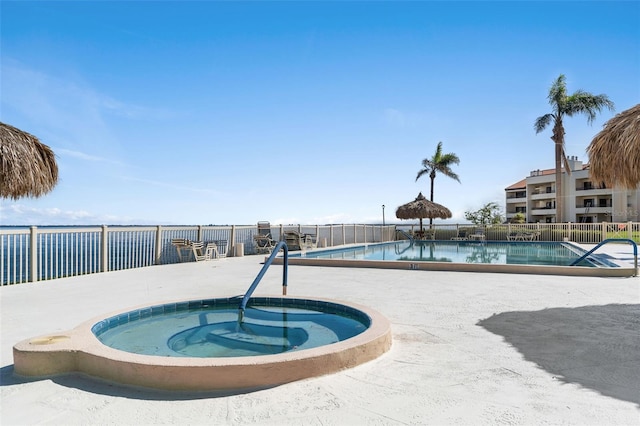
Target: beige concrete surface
point(468, 348)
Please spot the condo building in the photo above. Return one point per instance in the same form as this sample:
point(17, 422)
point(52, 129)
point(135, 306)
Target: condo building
point(584, 201)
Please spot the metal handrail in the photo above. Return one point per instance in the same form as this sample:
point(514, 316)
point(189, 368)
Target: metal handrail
point(406, 234)
point(609, 240)
point(256, 281)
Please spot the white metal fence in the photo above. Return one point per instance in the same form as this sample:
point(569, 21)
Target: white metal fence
point(34, 254)
point(587, 233)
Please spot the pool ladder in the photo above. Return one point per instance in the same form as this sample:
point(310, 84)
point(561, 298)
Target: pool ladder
point(609, 240)
point(285, 266)
point(406, 234)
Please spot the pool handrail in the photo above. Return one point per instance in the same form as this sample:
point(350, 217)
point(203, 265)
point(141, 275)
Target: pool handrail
point(256, 281)
point(609, 240)
point(406, 234)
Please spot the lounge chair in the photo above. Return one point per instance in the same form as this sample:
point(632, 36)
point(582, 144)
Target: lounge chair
point(514, 236)
point(186, 248)
point(425, 234)
point(298, 241)
point(263, 241)
point(523, 236)
point(461, 235)
point(210, 250)
point(478, 235)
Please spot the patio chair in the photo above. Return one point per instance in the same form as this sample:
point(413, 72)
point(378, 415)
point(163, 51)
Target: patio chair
point(186, 248)
point(425, 234)
point(461, 235)
point(211, 251)
point(478, 235)
point(263, 241)
point(514, 236)
point(298, 241)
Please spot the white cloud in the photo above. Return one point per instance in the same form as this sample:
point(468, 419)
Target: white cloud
point(20, 214)
point(62, 100)
point(204, 191)
point(86, 157)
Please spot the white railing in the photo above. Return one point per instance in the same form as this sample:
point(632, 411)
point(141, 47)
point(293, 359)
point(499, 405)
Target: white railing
point(34, 254)
point(588, 233)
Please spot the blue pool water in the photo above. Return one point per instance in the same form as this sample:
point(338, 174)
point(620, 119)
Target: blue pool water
point(210, 328)
point(487, 252)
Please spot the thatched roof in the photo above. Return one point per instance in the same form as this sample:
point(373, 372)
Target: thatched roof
point(27, 166)
point(421, 208)
point(614, 153)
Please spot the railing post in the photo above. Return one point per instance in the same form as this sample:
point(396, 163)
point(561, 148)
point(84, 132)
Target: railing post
point(630, 230)
point(105, 249)
point(158, 251)
point(33, 276)
point(199, 232)
point(231, 250)
point(603, 231)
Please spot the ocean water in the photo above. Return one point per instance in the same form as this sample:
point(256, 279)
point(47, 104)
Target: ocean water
point(70, 252)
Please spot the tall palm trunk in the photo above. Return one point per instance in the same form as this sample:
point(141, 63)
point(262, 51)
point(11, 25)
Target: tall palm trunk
point(558, 139)
point(432, 175)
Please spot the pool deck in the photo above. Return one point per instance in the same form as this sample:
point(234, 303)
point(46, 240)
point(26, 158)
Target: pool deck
point(468, 348)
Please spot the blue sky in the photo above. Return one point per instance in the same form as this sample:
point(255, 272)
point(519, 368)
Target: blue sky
point(297, 112)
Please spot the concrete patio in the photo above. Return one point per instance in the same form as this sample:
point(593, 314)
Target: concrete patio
point(468, 348)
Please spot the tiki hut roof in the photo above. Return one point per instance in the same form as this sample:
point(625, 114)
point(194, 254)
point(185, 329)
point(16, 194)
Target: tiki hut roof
point(27, 166)
point(421, 208)
point(614, 153)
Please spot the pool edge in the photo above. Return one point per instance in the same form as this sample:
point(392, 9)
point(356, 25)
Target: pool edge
point(583, 271)
point(78, 350)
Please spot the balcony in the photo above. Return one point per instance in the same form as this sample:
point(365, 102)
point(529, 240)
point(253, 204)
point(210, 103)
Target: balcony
point(543, 211)
point(544, 196)
point(583, 192)
point(516, 200)
point(594, 210)
point(516, 211)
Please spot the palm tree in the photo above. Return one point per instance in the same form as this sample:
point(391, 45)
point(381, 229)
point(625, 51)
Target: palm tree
point(438, 163)
point(579, 102)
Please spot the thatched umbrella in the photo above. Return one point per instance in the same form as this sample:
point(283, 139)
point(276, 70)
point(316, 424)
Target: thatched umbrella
point(421, 208)
point(27, 166)
point(614, 153)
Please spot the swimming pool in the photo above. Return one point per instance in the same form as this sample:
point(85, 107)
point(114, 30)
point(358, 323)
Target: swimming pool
point(534, 257)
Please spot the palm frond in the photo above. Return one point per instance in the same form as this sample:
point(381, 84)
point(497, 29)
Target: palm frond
point(558, 92)
point(542, 122)
point(582, 102)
